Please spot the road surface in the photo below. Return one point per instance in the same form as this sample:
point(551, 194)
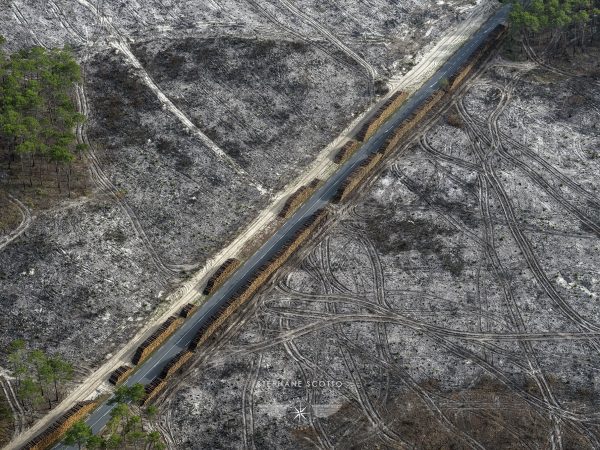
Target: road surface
point(152, 367)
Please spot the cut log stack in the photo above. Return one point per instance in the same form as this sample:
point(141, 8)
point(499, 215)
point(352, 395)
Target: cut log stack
point(176, 363)
point(298, 198)
point(356, 177)
point(188, 310)
point(346, 151)
point(260, 278)
point(221, 274)
point(152, 389)
point(55, 432)
point(488, 45)
point(120, 374)
point(156, 339)
point(410, 123)
point(383, 113)
point(157, 385)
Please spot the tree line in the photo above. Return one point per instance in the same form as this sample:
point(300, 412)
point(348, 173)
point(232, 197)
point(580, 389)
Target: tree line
point(40, 377)
point(38, 113)
point(560, 23)
point(125, 428)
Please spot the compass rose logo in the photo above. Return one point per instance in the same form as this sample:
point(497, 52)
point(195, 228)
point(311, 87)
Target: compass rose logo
point(300, 413)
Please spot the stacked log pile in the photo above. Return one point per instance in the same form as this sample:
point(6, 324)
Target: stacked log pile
point(176, 363)
point(356, 177)
point(120, 374)
point(346, 151)
point(222, 273)
point(152, 389)
point(258, 279)
point(408, 125)
point(383, 114)
point(188, 310)
point(156, 339)
point(360, 173)
point(487, 46)
point(54, 432)
point(298, 198)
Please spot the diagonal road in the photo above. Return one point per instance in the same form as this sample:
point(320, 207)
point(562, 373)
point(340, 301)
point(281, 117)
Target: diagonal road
point(152, 367)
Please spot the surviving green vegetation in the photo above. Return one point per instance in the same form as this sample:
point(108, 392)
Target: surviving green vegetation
point(125, 428)
point(38, 113)
point(40, 378)
point(566, 23)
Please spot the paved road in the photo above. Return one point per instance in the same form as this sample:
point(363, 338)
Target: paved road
point(180, 340)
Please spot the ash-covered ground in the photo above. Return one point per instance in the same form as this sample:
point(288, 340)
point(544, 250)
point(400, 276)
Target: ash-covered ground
point(453, 305)
point(197, 113)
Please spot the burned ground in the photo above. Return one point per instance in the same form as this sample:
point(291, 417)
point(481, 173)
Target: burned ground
point(453, 304)
point(185, 184)
point(259, 101)
point(197, 113)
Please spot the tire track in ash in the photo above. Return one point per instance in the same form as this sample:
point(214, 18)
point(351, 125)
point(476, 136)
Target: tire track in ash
point(428, 148)
point(413, 187)
point(336, 285)
point(533, 228)
point(538, 404)
point(362, 302)
point(61, 16)
point(310, 265)
point(501, 273)
point(510, 142)
point(353, 396)
point(369, 69)
point(300, 360)
point(488, 174)
point(321, 320)
point(537, 59)
point(324, 272)
point(163, 425)
point(501, 276)
point(522, 241)
point(421, 393)
point(367, 406)
point(25, 24)
point(273, 19)
point(19, 420)
point(248, 399)
point(362, 396)
point(496, 143)
point(383, 346)
point(22, 227)
point(465, 354)
point(104, 182)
